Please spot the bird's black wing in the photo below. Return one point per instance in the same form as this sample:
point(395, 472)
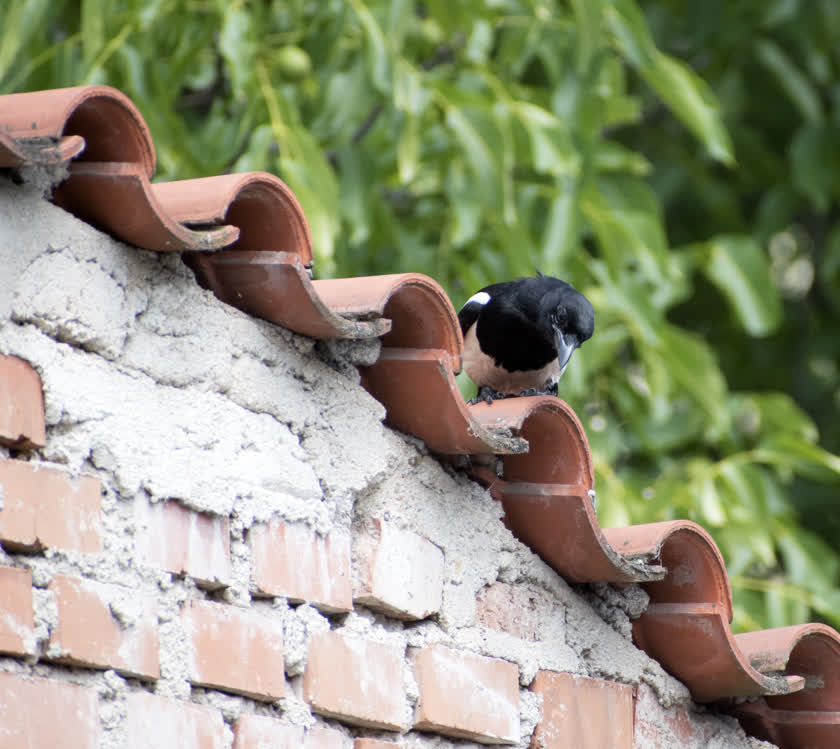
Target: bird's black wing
point(470, 311)
point(507, 331)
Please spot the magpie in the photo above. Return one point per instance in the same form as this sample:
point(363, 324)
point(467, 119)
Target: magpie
point(519, 335)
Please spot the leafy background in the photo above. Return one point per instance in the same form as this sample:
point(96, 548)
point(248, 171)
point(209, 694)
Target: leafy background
point(677, 161)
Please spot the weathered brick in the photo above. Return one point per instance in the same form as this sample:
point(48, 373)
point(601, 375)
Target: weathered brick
point(46, 713)
point(374, 744)
point(47, 507)
point(258, 732)
point(17, 634)
point(396, 571)
point(235, 650)
point(582, 712)
point(655, 725)
point(356, 680)
point(21, 405)
point(105, 626)
point(183, 541)
point(170, 724)
point(319, 737)
point(467, 696)
point(295, 562)
point(523, 611)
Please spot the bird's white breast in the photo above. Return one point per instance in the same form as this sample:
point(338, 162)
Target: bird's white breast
point(482, 370)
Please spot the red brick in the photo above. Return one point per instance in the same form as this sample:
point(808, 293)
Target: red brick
point(319, 737)
point(258, 732)
point(467, 696)
point(655, 725)
point(355, 680)
point(45, 713)
point(182, 541)
point(235, 650)
point(519, 610)
point(170, 724)
point(17, 634)
point(47, 507)
point(397, 572)
point(21, 405)
point(295, 562)
point(90, 634)
point(582, 712)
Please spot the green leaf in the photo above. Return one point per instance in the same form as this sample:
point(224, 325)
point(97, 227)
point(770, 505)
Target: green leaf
point(561, 231)
point(588, 25)
point(815, 156)
point(552, 148)
point(685, 93)
point(482, 157)
point(692, 365)
point(408, 149)
point(466, 205)
point(624, 216)
point(737, 266)
point(779, 414)
point(791, 80)
point(632, 302)
point(376, 49)
point(807, 459)
point(238, 46)
point(610, 156)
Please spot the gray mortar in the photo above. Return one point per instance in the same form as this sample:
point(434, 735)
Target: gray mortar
point(163, 392)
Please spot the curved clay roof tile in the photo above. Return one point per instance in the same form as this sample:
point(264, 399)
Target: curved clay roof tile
point(112, 127)
point(275, 286)
point(263, 208)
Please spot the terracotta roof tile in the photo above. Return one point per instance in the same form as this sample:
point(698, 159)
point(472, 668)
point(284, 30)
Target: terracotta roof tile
point(544, 475)
point(807, 718)
point(111, 126)
point(276, 287)
point(118, 198)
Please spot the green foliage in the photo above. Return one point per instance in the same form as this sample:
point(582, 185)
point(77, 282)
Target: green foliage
point(678, 162)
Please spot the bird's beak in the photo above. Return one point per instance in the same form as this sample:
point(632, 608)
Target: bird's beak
point(566, 346)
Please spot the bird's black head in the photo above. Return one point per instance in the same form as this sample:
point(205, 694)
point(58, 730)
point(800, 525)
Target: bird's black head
point(566, 318)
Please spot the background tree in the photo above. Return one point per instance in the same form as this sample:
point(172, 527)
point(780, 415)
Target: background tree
point(678, 162)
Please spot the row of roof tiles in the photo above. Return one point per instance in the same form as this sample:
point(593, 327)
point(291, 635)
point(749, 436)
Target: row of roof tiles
point(247, 239)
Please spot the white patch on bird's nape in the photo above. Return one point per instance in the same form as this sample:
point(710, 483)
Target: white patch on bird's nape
point(480, 297)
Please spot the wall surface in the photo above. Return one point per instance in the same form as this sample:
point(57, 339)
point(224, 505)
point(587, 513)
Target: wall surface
point(221, 545)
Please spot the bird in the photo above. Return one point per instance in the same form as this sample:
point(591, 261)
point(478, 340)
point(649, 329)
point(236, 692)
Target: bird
point(519, 335)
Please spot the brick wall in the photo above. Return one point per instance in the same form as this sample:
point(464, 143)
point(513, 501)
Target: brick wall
point(208, 539)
